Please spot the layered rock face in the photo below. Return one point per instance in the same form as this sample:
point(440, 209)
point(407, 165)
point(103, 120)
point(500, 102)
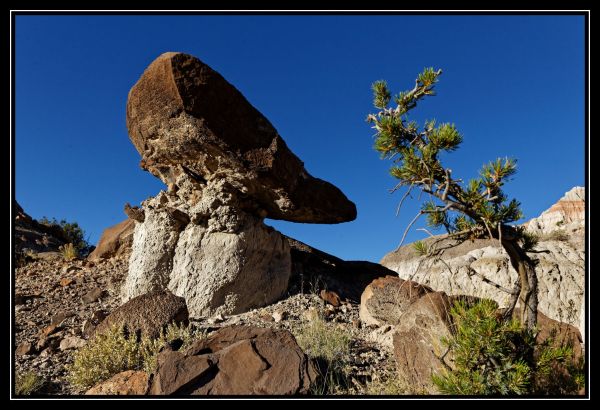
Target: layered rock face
point(560, 271)
point(30, 235)
point(567, 214)
point(226, 169)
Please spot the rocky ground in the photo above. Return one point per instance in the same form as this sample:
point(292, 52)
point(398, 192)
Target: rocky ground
point(58, 303)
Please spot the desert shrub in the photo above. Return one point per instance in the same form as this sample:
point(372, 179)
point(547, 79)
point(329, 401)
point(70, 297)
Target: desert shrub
point(69, 252)
point(498, 357)
point(28, 383)
point(115, 351)
point(329, 346)
point(72, 233)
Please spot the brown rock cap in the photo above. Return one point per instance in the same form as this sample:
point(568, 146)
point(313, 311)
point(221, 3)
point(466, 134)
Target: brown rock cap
point(185, 118)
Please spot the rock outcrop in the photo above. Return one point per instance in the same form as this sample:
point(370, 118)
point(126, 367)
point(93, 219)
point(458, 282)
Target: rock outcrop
point(567, 213)
point(115, 241)
point(33, 236)
point(226, 169)
point(313, 269)
point(462, 269)
point(237, 360)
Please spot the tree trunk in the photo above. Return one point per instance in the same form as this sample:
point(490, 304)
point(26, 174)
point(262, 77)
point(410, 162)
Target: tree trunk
point(528, 298)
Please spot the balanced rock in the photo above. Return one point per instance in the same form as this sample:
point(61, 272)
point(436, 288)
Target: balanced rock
point(147, 314)
point(226, 169)
point(237, 360)
point(191, 126)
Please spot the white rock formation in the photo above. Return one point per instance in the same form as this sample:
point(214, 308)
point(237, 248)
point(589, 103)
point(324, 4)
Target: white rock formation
point(221, 260)
point(561, 271)
point(567, 213)
point(229, 273)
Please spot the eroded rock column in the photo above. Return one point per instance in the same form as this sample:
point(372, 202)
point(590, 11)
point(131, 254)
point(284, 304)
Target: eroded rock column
point(226, 169)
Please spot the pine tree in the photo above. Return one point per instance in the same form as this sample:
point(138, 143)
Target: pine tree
point(476, 209)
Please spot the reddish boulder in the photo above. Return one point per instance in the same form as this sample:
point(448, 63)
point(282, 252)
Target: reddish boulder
point(418, 349)
point(385, 300)
point(148, 314)
point(237, 360)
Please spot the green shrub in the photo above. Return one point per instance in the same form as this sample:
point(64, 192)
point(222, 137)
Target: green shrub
point(28, 383)
point(115, 351)
point(330, 347)
point(497, 357)
point(72, 233)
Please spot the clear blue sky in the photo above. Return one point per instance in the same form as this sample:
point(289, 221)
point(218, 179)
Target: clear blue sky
point(514, 86)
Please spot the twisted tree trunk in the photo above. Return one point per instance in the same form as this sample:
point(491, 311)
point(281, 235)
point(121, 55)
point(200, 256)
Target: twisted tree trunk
point(527, 289)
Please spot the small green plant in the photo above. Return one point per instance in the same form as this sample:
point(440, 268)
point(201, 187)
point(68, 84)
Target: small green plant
point(28, 383)
point(420, 248)
point(498, 357)
point(69, 252)
point(330, 347)
point(115, 351)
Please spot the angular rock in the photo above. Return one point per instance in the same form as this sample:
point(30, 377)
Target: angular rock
point(147, 314)
point(71, 342)
point(127, 383)
point(330, 297)
point(93, 295)
point(48, 330)
point(59, 317)
point(386, 299)
point(418, 349)
point(237, 360)
point(278, 316)
point(188, 122)
point(25, 348)
point(116, 240)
